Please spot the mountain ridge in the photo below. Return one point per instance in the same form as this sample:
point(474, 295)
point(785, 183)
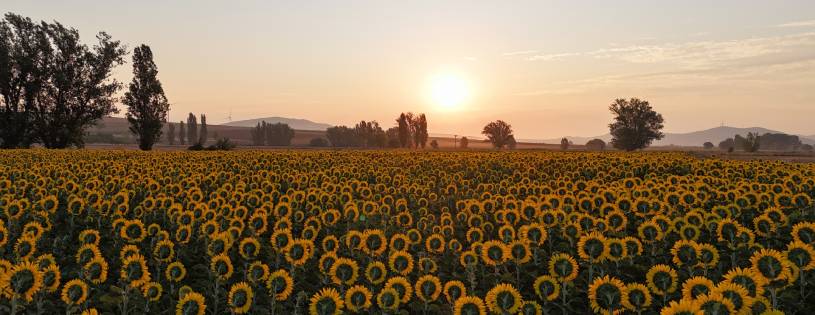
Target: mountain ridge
point(294, 123)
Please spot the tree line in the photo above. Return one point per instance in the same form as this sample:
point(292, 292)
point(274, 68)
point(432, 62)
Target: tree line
point(410, 131)
point(54, 87)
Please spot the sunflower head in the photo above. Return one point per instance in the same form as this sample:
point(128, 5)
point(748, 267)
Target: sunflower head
point(175, 271)
point(134, 271)
point(358, 298)
point(344, 271)
point(504, 298)
point(564, 267)
point(662, 279)
point(376, 272)
point(326, 302)
point(280, 285)
point(469, 305)
point(696, 287)
point(636, 297)
point(191, 303)
point(240, 298)
point(428, 288)
point(24, 280)
point(547, 288)
point(74, 292)
point(388, 299)
point(606, 294)
point(152, 291)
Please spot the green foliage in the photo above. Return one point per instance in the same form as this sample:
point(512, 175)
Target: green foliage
point(635, 124)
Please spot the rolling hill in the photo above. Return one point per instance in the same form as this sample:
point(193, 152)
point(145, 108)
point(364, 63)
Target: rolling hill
point(294, 123)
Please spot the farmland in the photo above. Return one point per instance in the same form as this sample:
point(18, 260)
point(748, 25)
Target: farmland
point(399, 232)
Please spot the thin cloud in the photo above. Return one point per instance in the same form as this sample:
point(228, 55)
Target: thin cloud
point(809, 23)
point(519, 52)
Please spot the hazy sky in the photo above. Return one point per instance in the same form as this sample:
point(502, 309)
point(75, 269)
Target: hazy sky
point(550, 68)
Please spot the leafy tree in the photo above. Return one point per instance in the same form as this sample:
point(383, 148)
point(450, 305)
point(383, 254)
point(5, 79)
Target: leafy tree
point(23, 75)
point(596, 145)
point(635, 124)
point(405, 132)
point(182, 133)
point(779, 142)
point(434, 144)
point(498, 133)
point(202, 136)
point(727, 144)
point(146, 103)
point(751, 143)
point(564, 144)
point(369, 134)
point(192, 129)
point(278, 134)
point(170, 133)
point(78, 90)
point(464, 142)
point(341, 136)
point(259, 134)
point(708, 145)
point(393, 137)
point(419, 130)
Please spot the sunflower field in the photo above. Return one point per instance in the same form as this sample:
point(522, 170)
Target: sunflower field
point(397, 232)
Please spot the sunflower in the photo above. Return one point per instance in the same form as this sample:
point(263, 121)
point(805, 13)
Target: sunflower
point(388, 299)
point(592, 247)
point(133, 231)
point(564, 267)
point(428, 265)
point(633, 246)
point(344, 271)
point(89, 236)
point(330, 243)
point(662, 279)
point(504, 298)
point(606, 294)
point(280, 239)
point(737, 295)
point(435, 243)
point(801, 255)
point(747, 278)
point(175, 271)
point(126, 251)
point(402, 285)
point(164, 251)
point(191, 303)
point(682, 307)
point(152, 291)
point(299, 251)
point(3, 235)
point(86, 253)
point(358, 298)
point(804, 232)
point(96, 270)
point(25, 247)
point(257, 272)
point(716, 304)
point(249, 248)
point(519, 252)
point(771, 265)
point(636, 297)
point(134, 271)
point(685, 253)
point(221, 267)
point(399, 242)
point(469, 305)
point(327, 301)
point(650, 232)
point(468, 258)
point(617, 250)
point(453, 290)
point(708, 255)
point(494, 253)
point(533, 234)
point(51, 277)
point(374, 242)
point(401, 262)
point(90, 311)
point(23, 280)
point(240, 298)
point(74, 292)
point(547, 288)
point(280, 285)
point(428, 288)
point(696, 286)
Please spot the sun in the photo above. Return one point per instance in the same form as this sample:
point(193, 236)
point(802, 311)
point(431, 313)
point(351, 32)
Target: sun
point(448, 91)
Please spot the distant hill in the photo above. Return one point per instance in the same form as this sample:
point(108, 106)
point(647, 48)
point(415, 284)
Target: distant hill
point(695, 139)
point(294, 123)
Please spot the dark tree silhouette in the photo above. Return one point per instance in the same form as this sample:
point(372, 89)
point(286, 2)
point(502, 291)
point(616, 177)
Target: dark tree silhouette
point(23, 74)
point(464, 142)
point(434, 144)
point(635, 124)
point(202, 134)
point(564, 144)
point(279, 134)
point(393, 137)
point(318, 142)
point(419, 130)
point(751, 143)
point(596, 145)
point(182, 133)
point(192, 129)
point(499, 133)
point(727, 144)
point(170, 133)
point(259, 134)
point(79, 90)
point(403, 122)
point(707, 145)
point(146, 103)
